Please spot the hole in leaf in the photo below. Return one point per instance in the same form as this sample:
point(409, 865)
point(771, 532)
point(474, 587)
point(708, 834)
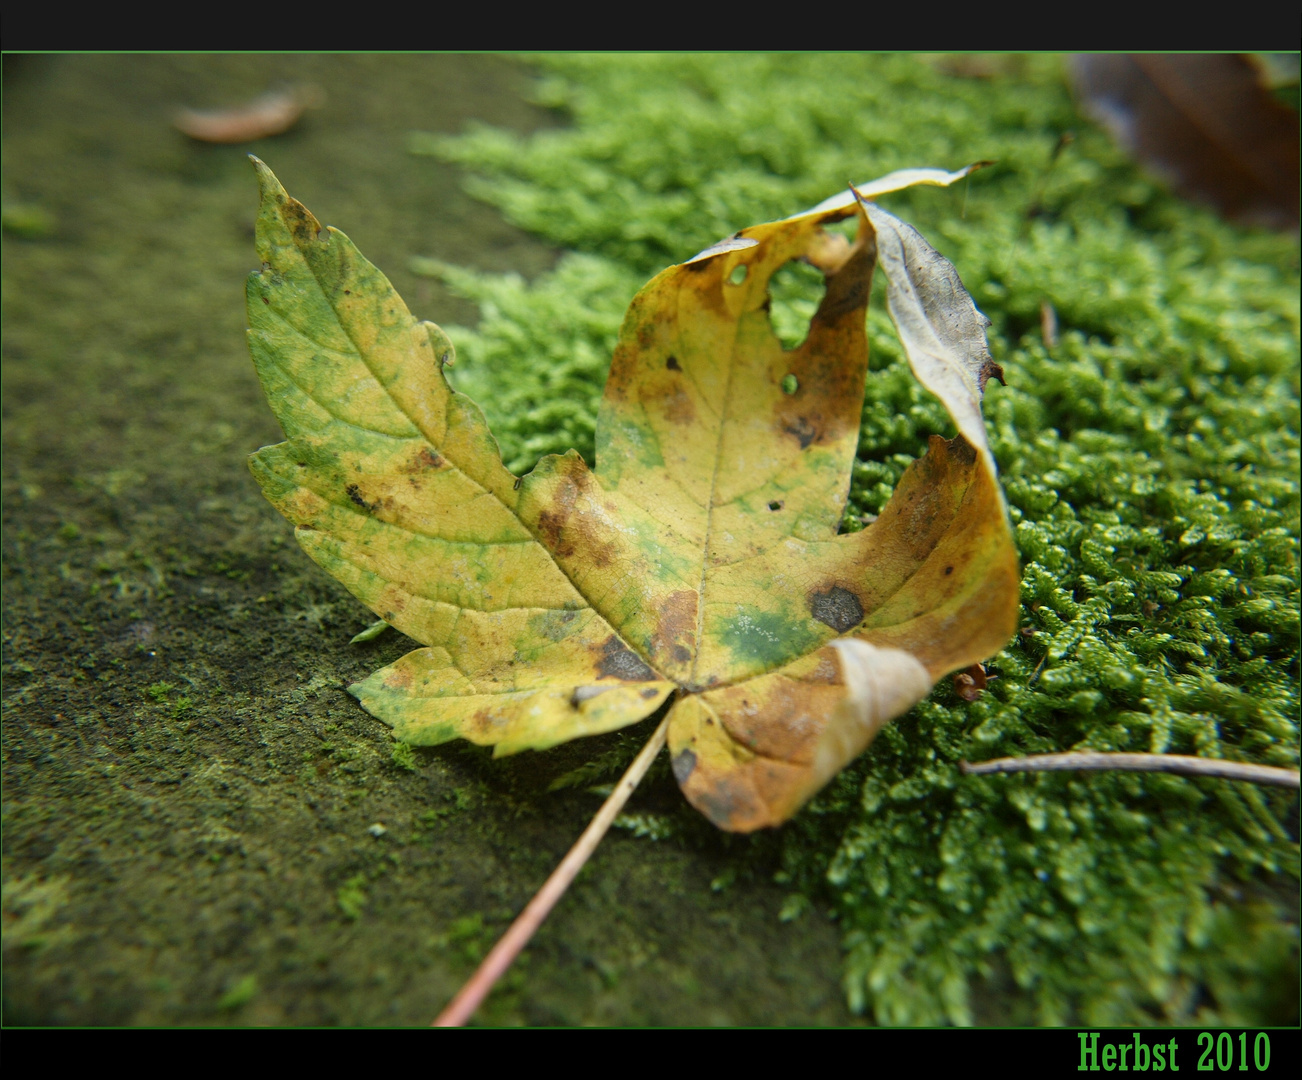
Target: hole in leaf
point(795, 291)
point(739, 273)
point(847, 227)
point(776, 504)
point(790, 384)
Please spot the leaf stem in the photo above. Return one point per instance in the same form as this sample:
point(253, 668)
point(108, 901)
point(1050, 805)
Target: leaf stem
point(495, 964)
point(1167, 763)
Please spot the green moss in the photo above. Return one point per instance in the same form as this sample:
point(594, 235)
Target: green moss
point(240, 994)
point(1149, 454)
point(539, 389)
point(27, 221)
point(159, 691)
point(404, 756)
point(469, 937)
point(652, 826)
point(351, 897)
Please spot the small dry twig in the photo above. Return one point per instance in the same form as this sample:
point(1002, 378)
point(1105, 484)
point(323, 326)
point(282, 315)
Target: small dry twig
point(463, 1006)
point(1167, 763)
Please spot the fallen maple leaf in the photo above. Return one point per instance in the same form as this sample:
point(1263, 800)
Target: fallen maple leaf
point(699, 559)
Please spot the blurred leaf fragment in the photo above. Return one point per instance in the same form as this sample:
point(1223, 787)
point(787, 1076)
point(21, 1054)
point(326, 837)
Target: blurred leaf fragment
point(272, 114)
point(1208, 124)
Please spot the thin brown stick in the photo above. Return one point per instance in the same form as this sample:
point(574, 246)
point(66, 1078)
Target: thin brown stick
point(463, 1006)
point(1167, 763)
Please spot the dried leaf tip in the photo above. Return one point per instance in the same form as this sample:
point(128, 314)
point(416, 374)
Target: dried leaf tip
point(943, 333)
point(896, 181)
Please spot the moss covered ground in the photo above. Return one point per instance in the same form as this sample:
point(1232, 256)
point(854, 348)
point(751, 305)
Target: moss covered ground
point(1149, 454)
point(189, 794)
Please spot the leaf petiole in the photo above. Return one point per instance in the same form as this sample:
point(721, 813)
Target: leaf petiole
point(495, 964)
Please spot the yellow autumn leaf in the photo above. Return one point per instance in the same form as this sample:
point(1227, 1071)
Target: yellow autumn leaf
point(699, 559)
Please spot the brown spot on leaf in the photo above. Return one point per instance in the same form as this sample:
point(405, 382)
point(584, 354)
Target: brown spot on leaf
point(649, 693)
point(302, 224)
point(398, 679)
point(552, 522)
point(618, 661)
point(675, 633)
point(482, 721)
point(355, 494)
point(837, 607)
point(803, 430)
point(426, 458)
point(672, 364)
point(733, 801)
point(551, 526)
point(679, 408)
point(567, 527)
